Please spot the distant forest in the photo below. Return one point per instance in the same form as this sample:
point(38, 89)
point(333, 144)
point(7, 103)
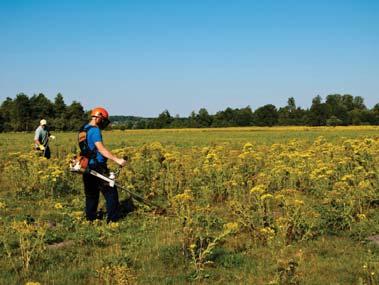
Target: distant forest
point(23, 113)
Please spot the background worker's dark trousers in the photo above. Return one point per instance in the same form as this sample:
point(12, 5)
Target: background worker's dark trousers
point(47, 152)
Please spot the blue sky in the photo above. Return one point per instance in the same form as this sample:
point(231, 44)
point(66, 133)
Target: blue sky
point(141, 57)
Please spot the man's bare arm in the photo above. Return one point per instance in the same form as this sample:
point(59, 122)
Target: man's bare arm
point(106, 153)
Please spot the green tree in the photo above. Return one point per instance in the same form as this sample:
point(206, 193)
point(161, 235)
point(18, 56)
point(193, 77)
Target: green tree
point(288, 115)
point(163, 121)
point(60, 110)
point(358, 103)
point(140, 124)
point(336, 108)
point(243, 116)
point(347, 101)
point(21, 113)
point(6, 111)
point(203, 119)
point(192, 120)
point(59, 104)
point(40, 108)
point(75, 116)
point(1, 122)
point(179, 122)
point(375, 114)
point(333, 121)
point(291, 104)
point(266, 116)
point(318, 113)
point(224, 118)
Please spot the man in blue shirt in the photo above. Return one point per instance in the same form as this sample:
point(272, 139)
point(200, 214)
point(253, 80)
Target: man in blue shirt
point(98, 162)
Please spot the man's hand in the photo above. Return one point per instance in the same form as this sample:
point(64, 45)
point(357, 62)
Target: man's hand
point(121, 161)
point(41, 147)
point(52, 137)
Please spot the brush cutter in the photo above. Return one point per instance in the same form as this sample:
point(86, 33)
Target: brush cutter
point(79, 165)
point(45, 145)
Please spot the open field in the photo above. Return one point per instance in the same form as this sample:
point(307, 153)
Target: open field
point(236, 137)
point(291, 205)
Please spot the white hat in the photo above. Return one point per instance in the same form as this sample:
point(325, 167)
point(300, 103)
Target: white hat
point(43, 122)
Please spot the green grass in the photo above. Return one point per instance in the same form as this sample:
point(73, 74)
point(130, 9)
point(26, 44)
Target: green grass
point(149, 244)
point(67, 142)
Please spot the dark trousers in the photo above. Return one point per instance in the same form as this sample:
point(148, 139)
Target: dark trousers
point(47, 152)
point(92, 188)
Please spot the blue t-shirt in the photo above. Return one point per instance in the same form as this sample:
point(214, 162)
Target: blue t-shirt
point(94, 136)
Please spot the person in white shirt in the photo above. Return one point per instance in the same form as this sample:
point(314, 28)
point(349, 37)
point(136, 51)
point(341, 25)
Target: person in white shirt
point(41, 139)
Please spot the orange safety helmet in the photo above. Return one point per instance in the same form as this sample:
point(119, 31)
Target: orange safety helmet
point(103, 114)
point(100, 112)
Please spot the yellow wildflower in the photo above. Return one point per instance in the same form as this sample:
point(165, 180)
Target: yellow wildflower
point(248, 147)
point(298, 202)
point(114, 225)
point(361, 217)
point(184, 197)
point(258, 189)
point(58, 206)
point(266, 196)
point(231, 227)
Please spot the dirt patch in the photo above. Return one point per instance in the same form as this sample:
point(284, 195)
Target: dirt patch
point(374, 239)
point(60, 245)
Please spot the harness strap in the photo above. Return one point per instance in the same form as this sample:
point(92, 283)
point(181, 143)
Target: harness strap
point(83, 143)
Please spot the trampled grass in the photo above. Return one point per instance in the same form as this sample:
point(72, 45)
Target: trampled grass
point(290, 205)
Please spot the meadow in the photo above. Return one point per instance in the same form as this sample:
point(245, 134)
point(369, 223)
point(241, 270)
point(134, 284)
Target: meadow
point(282, 205)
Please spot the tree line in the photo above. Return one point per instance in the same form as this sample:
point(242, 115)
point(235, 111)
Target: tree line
point(335, 110)
point(23, 113)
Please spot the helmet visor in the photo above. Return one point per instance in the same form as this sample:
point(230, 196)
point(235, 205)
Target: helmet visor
point(104, 123)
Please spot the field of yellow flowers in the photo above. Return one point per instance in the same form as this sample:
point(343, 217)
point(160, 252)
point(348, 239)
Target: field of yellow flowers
point(243, 206)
